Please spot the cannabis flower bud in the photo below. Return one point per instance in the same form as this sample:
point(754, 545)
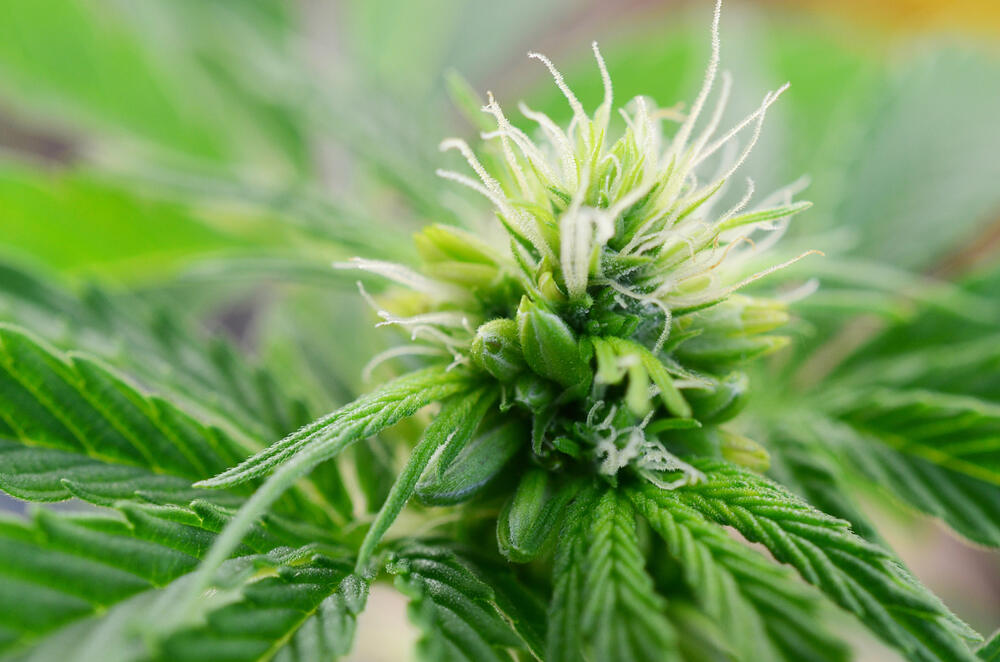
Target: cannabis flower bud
point(609, 313)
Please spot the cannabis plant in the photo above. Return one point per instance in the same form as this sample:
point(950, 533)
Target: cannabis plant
point(581, 441)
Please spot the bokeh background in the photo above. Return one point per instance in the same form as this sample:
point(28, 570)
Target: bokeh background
point(222, 152)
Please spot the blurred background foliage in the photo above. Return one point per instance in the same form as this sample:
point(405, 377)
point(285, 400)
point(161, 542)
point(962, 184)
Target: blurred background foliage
point(213, 156)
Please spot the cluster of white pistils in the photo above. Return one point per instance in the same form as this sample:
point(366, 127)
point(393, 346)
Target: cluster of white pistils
point(651, 177)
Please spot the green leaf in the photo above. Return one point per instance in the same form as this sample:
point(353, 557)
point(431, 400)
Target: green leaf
point(363, 418)
point(82, 223)
point(938, 452)
point(801, 461)
point(158, 75)
point(457, 613)
point(990, 651)
point(298, 454)
point(965, 502)
point(958, 433)
point(44, 474)
point(160, 348)
point(78, 425)
point(604, 606)
point(74, 585)
point(762, 612)
point(855, 574)
point(457, 421)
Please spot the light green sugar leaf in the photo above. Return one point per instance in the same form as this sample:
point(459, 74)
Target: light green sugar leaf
point(654, 369)
point(855, 574)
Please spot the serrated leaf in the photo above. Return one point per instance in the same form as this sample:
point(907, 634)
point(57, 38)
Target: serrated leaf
point(801, 462)
point(160, 348)
point(363, 418)
point(964, 502)
point(761, 611)
point(71, 422)
point(79, 587)
point(455, 610)
point(938, 452)
point(604, 606)
point(295, 456)
point(857, 575)
point(959, 433)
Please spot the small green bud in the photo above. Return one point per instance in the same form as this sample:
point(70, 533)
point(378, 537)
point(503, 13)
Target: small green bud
point(743, 451)
point(533, 392)
point(763, 315)
point(441, 243)
point(550, 347)
point(717, 352)
point(467, 274)
point(723, 401)
point(497, 350)
point(740, 316)
point(478, 463)
point(530, 517)
point(549, 289)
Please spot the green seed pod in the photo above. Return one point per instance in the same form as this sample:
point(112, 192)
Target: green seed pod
point(529, 518)
point(722, 402)
point(533, 392)
point(497, 350)
point(478, 463)
point(550, 347)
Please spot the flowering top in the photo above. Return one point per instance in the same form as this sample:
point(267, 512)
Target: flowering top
point(610, 318)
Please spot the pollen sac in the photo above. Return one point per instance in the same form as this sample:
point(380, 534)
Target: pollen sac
point(723, 401)
point(550, 347)
point(497, 349)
